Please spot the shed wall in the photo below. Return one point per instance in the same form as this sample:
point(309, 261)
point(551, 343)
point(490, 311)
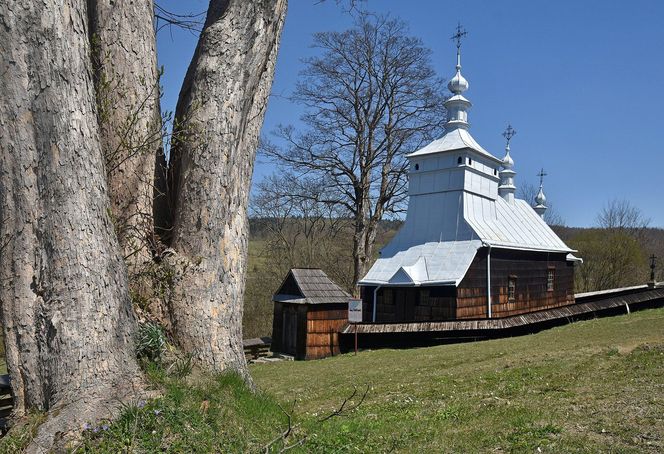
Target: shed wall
point(289, 329)
point(324, 322)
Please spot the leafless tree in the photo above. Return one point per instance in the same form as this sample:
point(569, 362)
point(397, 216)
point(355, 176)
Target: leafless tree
point(301, 230)
point(371, 96)
point(528, 192)
point(614, 254)
point(621, 215)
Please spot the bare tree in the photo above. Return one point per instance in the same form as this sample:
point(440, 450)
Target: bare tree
point(613, 254)
point(621, 215)
point(370, 97)
point(65, 310)
point(528, 192)
point(300, 230)
point(611, 259)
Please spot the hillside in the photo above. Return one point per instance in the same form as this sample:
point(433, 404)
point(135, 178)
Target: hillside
point(594, 386)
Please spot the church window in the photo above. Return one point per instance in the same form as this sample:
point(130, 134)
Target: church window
point(495, 171)
point(470, 161)
point(417, 167)
point(459, 161)
point(550, 279)
point(511, 289)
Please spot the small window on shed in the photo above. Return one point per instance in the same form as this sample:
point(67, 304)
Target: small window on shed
point(470, 161)
point(460, 160)
point(550, 279)
point(511, 288)
point(417, 167)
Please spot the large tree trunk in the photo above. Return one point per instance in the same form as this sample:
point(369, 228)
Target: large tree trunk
point(66, 313)
point(127, 88)
point(219, 115)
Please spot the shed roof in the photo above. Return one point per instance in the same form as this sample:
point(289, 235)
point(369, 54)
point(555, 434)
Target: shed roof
point(309, 286)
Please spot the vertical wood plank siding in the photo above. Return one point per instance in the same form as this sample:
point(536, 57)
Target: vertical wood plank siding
point(277, 323)
point(531, 270)
point(323, 324)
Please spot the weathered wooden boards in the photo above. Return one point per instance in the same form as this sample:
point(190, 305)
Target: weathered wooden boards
point(635, 299)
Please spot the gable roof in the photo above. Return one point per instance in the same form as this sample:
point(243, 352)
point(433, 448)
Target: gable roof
point(309, 286)
point(433, 263)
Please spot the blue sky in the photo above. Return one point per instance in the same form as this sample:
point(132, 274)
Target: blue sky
point(582, 82)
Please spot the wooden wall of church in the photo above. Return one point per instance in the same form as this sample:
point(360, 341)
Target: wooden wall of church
point(408, 304)
point(529, 270)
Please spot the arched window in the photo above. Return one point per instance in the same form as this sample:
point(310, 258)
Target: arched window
point(460, 160)
point(470, 161)
point(417, 167)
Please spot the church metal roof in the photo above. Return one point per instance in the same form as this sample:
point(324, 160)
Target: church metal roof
point(455, 139)
point(510, 225)
point(434, 263)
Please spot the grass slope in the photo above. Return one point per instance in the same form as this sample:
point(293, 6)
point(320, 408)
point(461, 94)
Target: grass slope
point(589, 386)
point(595, 386)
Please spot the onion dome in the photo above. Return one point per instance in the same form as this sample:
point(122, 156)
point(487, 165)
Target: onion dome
point(540, 199)
point(458, 84)
point(457, 106)
point(508, 162)
point(506, 189)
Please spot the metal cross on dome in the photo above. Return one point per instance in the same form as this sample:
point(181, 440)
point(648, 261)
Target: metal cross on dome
point(541, 176)
point(509, 133)
point(460, 33)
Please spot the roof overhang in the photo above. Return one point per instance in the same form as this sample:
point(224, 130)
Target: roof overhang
point(519, 247)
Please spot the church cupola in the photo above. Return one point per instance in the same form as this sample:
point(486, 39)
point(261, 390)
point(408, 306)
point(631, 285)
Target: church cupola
point(540, 199)
point(507, 189)
point(457, 106)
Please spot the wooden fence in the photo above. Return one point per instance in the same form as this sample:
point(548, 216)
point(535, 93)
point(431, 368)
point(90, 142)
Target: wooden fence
point(257, 348)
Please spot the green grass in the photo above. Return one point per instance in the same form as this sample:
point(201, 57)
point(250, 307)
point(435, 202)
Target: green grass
point(595, 386)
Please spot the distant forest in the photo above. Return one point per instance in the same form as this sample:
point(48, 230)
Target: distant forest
point(614, 256)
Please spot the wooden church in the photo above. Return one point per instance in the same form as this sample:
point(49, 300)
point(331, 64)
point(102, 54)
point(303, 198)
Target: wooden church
point(468, 249)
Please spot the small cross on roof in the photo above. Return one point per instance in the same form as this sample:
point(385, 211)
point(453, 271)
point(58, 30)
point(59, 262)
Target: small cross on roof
point(509, 133)
point(460, 33)
point(541, 175)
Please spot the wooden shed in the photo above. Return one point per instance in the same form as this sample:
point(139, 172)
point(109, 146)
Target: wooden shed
point(309, 312)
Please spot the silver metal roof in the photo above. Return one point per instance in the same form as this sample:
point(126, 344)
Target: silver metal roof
point(456, 139)
point(510, 225)
point(443, 263)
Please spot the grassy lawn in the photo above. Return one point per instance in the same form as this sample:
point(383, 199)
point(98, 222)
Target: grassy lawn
point(595, 386)
point(590, 386)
